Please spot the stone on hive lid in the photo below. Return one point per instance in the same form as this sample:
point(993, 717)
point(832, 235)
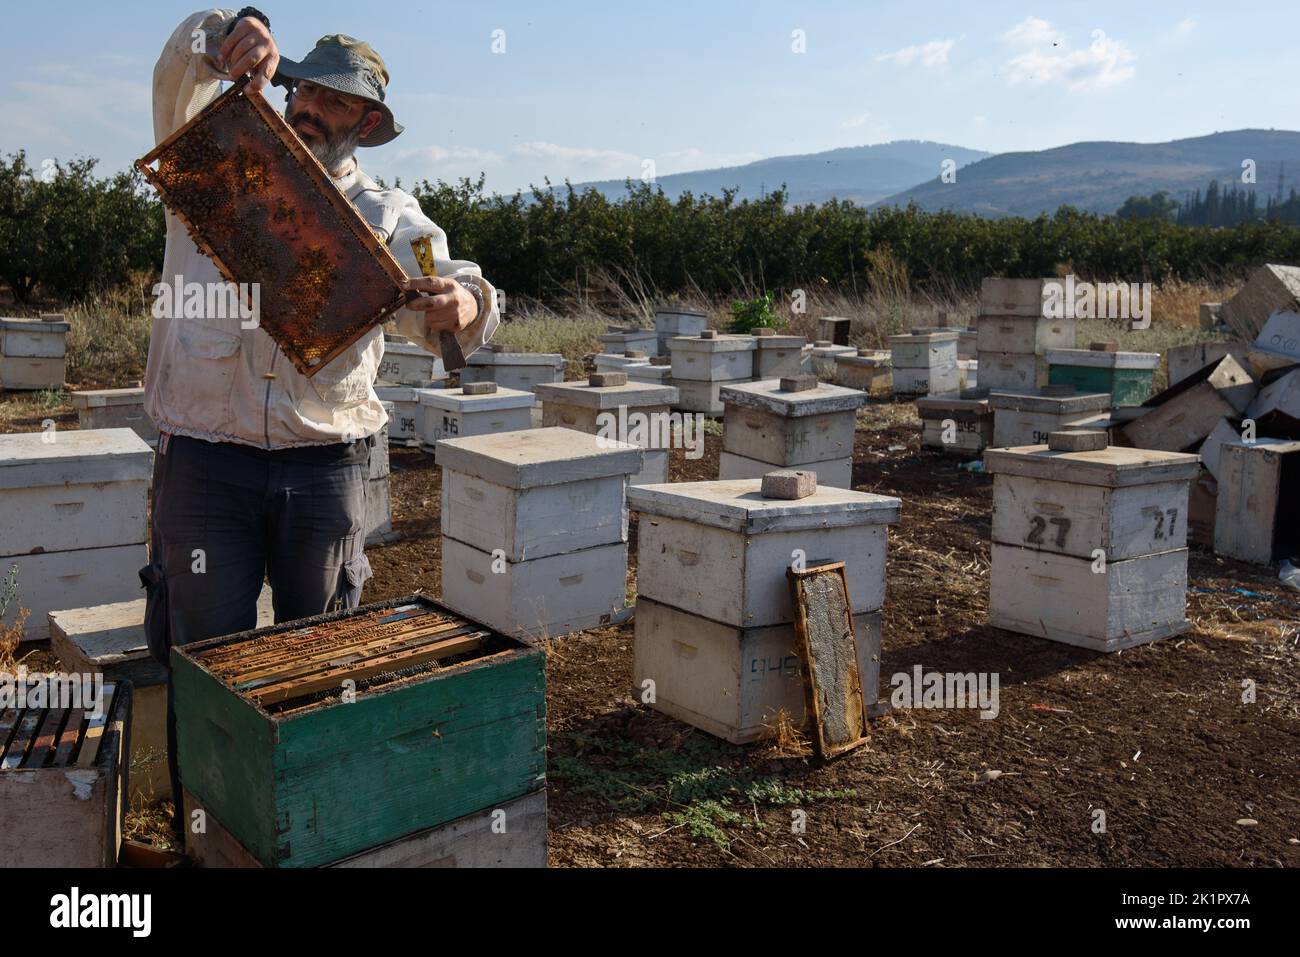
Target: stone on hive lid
point(604, 379)
point(534, 457)
point(479, 388)
point(789, 484)
point(1081, 440)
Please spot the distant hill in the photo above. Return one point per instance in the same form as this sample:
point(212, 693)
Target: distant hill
point(863, 174)
point(1099, 176)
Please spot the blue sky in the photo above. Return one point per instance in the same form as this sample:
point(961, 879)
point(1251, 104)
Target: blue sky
point(591, 90)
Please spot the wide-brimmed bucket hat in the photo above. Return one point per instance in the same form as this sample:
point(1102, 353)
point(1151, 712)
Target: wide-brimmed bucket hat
point(349, 66)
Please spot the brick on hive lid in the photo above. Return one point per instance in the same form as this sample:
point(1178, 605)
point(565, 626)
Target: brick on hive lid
point(602, 380)
point(478, 388)
point(867, 351)
point(709, 334)
point(661, 360)
point(789, 484)
point(1057, 389)
point(634, 353)
point(1104, 346)
point(1077, 440)
point(762, 331)
point(799, 383)
point(823, 344)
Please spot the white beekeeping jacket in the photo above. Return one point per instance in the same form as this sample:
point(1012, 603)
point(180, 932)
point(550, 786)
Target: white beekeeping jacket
point(208, 377)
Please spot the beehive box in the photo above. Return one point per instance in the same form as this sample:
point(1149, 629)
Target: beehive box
point(1012, 371)
point(727, 680)
point(673, 322)
point(920, 382)
point(960, 423)
point(1270, 288)
point(823, 355)
point(650, 372)
point(1182, 361)
point(1183, 415)
point(450, 413)
point(923, 350)
point(1256, 518)
point(110, 640)
point(1278, 344)
point(1089, 547)
point(535, 529)
point(1011, 297)
point(405, 415)
point(405, 363)
point(778, 357)
point(32, 353)
point(720, 550)
point(379, 515)
point(719, 359)
point(510, 835)
point(521, 371)
point(968, 373)
point(1127, 376)
point(64, 781)
point(1028, 418)
point(866, 369)
point(1276, 408)
point(782, 429)
point(114, 409)
point(634, 412)
point(72, 510)
point(834, 329)
point(702, 397)
point(610, 362)
point(442, 719)
point(1023, 334)
point(637, 340)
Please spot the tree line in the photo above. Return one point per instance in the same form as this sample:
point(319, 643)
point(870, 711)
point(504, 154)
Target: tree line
point(65, 233)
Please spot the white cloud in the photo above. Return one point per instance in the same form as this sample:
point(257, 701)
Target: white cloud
point(456, 156)
point(576, 157)
point(1186, 25)
point(934, 53)
point(853, 122)
point(1048, 58)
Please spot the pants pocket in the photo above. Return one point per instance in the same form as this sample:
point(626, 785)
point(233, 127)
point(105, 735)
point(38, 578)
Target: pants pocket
point(356, 572)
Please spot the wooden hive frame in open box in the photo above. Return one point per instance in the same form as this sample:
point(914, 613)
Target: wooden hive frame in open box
point(443, 718)
point(263, 209)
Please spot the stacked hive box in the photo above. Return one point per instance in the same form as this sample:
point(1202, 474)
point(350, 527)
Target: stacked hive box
point(379, 514)
point(404, 415)
point(823, 356)
point(1127, 376)
point(869, 370)
point(534, 529)
point(109, 640)
point(32, 353)
point(924, 363)
point(441, 724)
point(618, 340)
point(671, 323)
point(1089, 546)
point(1027, 418)
point(480, 409)
point(521, 371)
point(1013, 335)
point(608, 405)
point(63, 782)
point(789, 423)
point(960, 422)
point(715, 641)
point(405, 363)
point(776, 356)
point(72, 511)
point(704, 363)
point(114, 409)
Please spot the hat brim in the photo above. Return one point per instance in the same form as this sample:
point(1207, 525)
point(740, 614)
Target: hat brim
point(323, 75)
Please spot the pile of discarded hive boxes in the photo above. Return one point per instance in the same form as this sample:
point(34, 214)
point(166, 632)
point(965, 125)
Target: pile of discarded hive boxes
point(715, 634)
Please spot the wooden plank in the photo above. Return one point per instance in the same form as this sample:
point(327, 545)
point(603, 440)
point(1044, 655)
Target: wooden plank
point(46, 738)
point(95, 729)
point(22, 739)
point(824, 633)
point(69, 737)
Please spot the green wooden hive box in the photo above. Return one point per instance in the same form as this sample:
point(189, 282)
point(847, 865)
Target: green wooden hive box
point(1126, 376)
point(313, 740)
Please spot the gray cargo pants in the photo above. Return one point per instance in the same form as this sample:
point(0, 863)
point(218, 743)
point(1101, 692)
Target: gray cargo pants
point(223, 517)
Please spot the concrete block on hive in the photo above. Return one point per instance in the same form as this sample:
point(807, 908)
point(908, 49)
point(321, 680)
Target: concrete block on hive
point(1256, 519)
point(789, 484)
point(1084, 440)
point(1183, 415)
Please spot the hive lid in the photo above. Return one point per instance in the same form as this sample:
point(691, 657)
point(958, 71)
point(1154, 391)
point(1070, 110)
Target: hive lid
point(402, 393)
point(455, 400)
point(833, 350)
point(1104, 360)
point(1035, 401)
point(738, 505)
point(99, 398)
point(684, 311)
point(75, 457)
point(632, 394)
point(968, 400)
point(916, 335)
point(1112, 467)
point(34, 325)
point(766, 396)
point(874, 360)
point(485, 357)
point(621, 334)
point(532, 457)
point(780, 342)
point(719, 343)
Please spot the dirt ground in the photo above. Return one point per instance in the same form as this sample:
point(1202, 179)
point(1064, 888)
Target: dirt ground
point(1158, 738)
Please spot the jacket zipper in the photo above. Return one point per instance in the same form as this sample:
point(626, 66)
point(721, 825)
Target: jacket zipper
point(266, 405)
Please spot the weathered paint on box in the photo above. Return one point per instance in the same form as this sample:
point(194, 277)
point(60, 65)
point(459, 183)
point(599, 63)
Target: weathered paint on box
point(788, 441)
point(1256, 518)
point(1011, 297)
point(405, 363)
point(731, 681)
point(77, 578)
point(1011, 370)
point(721, 359)
point(30, 375)
point(1182, 361)
point(914, 382)
point(33, 338)
point(1127, 376)
point(702, 397)
point(1182, 416)
point(1023, 334)
point(522, 371)
point(319, 784)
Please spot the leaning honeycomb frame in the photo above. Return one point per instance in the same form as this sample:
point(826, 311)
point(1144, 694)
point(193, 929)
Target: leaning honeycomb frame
point(258, 203)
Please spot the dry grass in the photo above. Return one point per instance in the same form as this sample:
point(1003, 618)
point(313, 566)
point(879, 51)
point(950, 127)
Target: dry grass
point(784, 739)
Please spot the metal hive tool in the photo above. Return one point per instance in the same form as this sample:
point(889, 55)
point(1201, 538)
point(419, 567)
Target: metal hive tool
point(261, 206)
point(292, 668)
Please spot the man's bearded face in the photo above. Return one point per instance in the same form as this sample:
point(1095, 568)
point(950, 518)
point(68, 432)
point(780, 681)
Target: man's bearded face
point(331, 141)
